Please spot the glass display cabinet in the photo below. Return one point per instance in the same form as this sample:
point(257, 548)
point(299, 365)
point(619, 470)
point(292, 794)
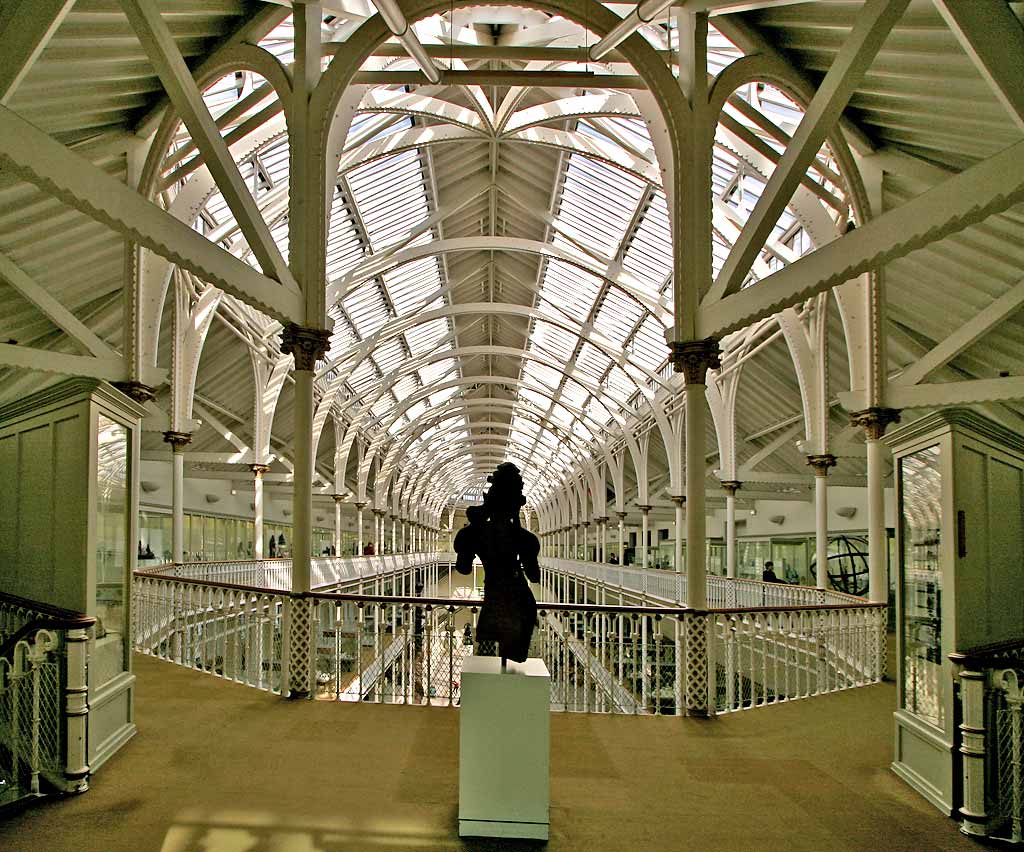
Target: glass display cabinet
point(960, 541)
point(68, 518)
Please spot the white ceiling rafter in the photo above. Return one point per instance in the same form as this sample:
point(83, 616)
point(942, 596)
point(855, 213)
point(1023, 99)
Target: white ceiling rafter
point(495, 166)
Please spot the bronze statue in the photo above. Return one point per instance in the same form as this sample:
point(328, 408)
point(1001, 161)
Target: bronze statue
point(509, 555)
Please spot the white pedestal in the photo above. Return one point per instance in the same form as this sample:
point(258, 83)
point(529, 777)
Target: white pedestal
point(504, 736)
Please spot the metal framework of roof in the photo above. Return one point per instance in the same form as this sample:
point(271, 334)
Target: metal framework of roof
point(499, 264)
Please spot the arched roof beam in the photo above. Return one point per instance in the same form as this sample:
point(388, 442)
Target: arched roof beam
point(347, 360)
point(495, 428)
point(378, 265)
point(456, 407)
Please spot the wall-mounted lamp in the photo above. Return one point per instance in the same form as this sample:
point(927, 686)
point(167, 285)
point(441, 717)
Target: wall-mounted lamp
point(779, 520)
point(846, 511)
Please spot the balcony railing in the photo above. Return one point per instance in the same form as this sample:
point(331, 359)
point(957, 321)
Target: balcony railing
point(645, 659)
point(990, 694)
point(44, 700)
point(325, 572)
point(670, 588)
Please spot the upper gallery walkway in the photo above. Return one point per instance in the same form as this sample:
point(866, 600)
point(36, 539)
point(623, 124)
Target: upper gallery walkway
point(219, 766)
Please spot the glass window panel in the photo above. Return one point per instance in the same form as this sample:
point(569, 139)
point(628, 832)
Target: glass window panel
point(921, 519)
point(750, 558)
point(112, 559)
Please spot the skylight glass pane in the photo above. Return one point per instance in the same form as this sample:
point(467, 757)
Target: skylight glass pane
point(618, 315)
point(649, 347)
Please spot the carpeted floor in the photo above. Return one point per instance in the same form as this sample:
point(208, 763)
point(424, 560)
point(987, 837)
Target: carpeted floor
point(218, 767)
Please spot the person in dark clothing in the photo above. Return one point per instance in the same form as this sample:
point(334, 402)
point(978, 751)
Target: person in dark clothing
point(768, 575)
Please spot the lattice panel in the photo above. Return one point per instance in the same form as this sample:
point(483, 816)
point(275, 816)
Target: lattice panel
point(300, 647)
point(696, 656)
point(1009, 798)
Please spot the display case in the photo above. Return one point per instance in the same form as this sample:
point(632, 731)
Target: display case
point(959, 488)
point(68, 517)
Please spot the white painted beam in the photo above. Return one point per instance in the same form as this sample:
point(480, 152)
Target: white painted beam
point(769, 449)
point(54, 310)
point(970, 392)
point(870, 31)
point(45, 361)
point(485, 77)
point(969, 333)
point(993, 37)
point(802, 479)
point(163, 53)
point(37, 158)
point(991, 186)
point(213, 421)
point(246, 458)
point(26, 27)
point(749, 39)
point(253, 28)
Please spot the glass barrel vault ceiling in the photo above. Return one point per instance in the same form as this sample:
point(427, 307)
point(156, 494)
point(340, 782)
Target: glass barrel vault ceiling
point(592, 349)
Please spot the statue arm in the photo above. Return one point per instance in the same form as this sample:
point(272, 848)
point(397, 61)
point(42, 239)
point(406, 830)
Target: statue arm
point(465, 549)
point(529, 550)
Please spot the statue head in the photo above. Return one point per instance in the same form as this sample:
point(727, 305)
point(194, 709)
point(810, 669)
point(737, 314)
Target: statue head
point(506, 492)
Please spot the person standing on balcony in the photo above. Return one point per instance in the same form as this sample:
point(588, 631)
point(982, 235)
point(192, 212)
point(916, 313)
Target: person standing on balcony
point(768, 575)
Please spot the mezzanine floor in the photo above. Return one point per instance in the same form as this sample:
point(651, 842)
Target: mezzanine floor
point(219, 767)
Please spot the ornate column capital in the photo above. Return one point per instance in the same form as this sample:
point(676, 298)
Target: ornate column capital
point(693, 358)
point(585, 524)
point(378, 512)
point(645, 509)
point(177, 440)
point(602, 520)
point(308, 345)
point(136, 390)
point(875, 420)
point(821, 463)
point(339, 498)
point(259, 469)
point(679, 500)
point(360, 504)
point(731, 486)
point(622, 515)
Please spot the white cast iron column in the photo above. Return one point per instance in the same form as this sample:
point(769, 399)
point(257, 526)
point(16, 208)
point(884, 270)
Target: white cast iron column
point(730, 488)
point(257, 508)
point(359, 528)
point(178, 442)
point(875, 421)
point(821, 463)
point(643, 537)
point(622, 537)
point(337, 524)
point(306, 346)
point(693, 359)
point(678, 555)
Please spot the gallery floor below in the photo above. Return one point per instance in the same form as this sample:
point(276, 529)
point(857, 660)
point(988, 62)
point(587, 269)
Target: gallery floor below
point(220, 767)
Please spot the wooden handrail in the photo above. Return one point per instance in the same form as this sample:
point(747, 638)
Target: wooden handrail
point(983, 654)
point(541, 605)
point(45, 622)
point(64, 619)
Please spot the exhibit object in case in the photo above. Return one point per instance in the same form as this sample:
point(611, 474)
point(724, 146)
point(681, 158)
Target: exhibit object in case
point(959, 487)
point(68, 516)
point(504, 743)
